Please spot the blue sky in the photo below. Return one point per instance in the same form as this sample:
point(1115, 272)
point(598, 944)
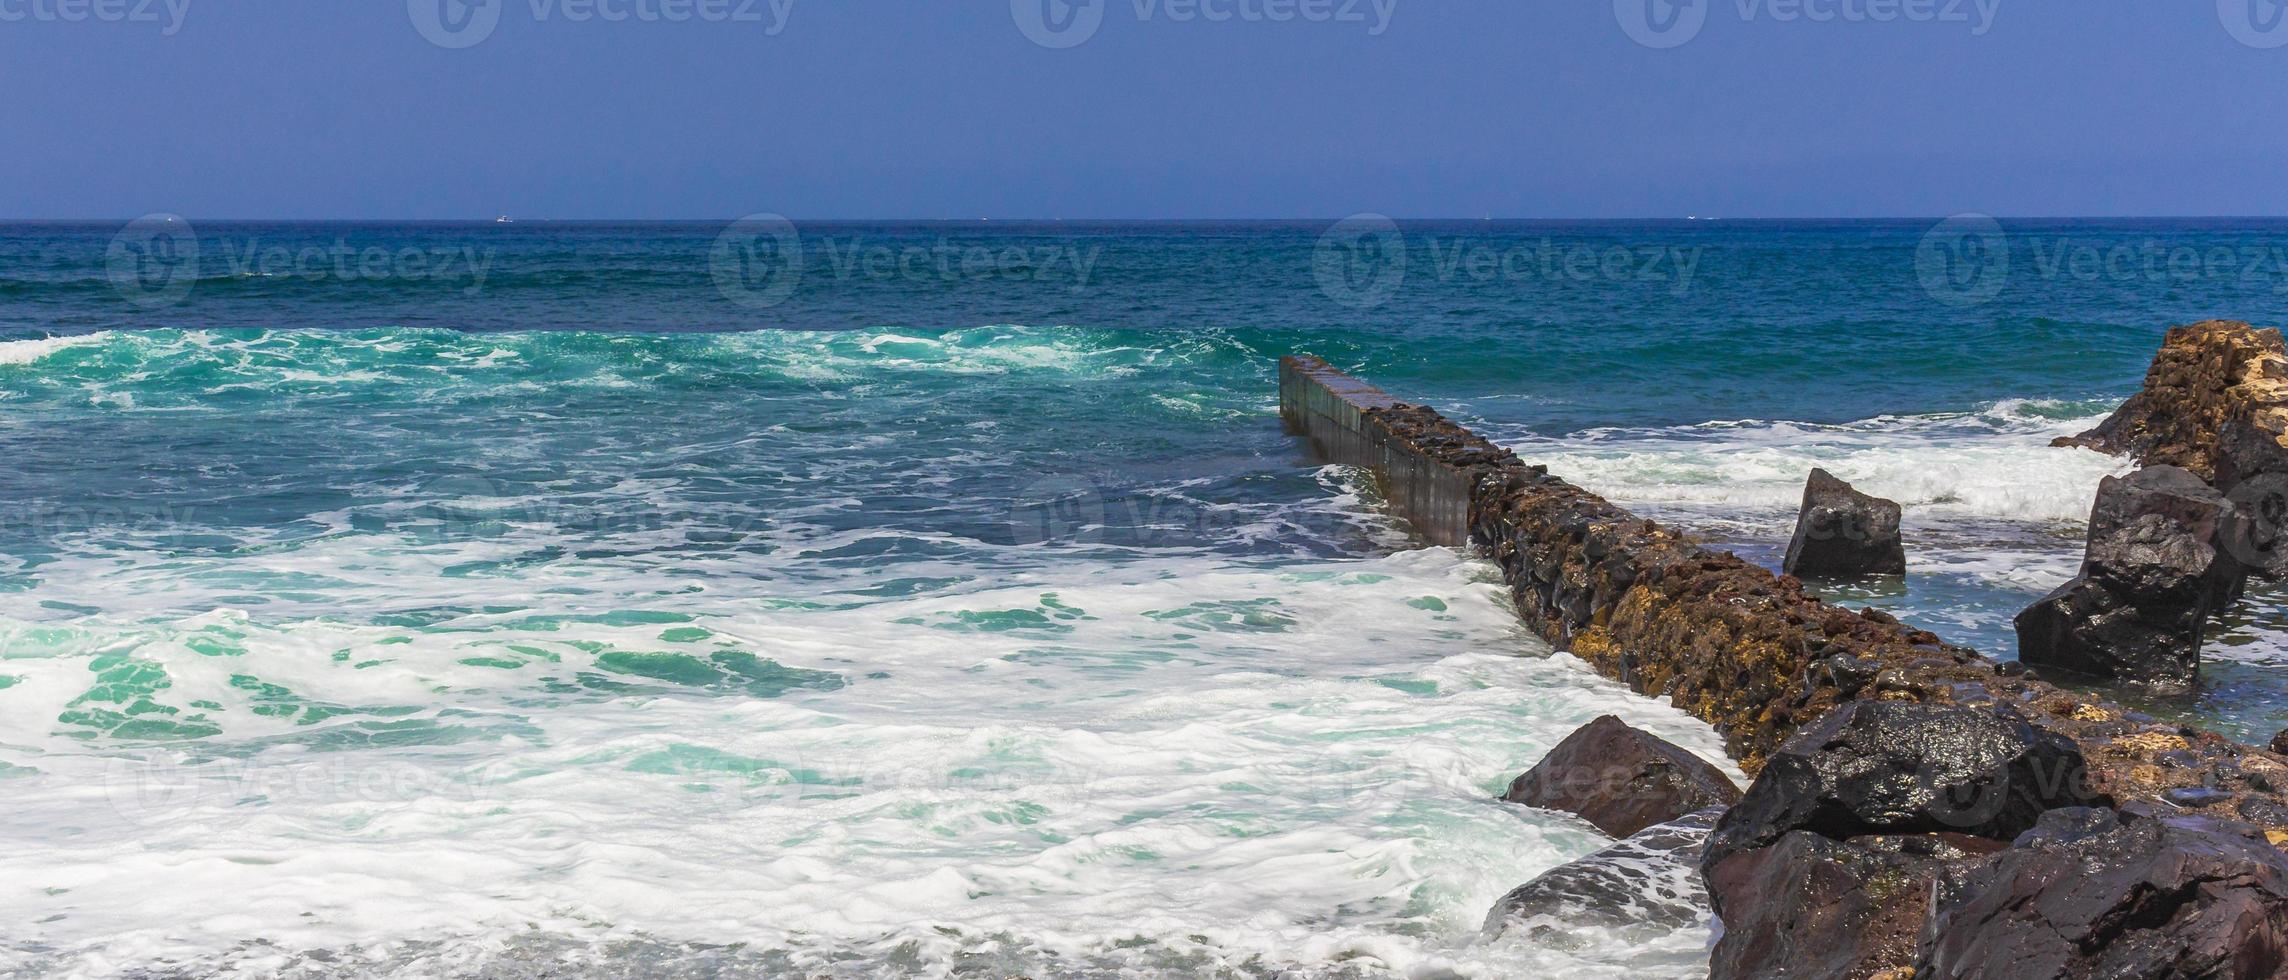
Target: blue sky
point(1167, 108)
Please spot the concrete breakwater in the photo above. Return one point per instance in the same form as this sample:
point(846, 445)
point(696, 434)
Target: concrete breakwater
point(1746, 650)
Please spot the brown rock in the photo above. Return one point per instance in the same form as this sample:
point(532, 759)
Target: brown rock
point(1621, 779)
point(2157, 568)
point(1808, 906)
point(2215, 402)
point(2206, 377)
point(1844, 534)
point(1751, 653)
point(2086, 897)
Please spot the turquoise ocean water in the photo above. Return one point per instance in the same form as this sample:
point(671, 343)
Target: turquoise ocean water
point(937, 598)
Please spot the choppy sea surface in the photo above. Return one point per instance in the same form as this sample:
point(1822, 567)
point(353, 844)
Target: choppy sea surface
point(938, 599)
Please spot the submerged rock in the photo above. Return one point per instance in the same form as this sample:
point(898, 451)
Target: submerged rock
point(1621, 779)
point(1894, 767)
point(1646, 885)
point(1842, 533)
point(2093, 894)
point(2157, 567)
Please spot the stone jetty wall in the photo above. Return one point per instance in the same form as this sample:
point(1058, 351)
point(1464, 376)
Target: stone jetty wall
point(1748, 651)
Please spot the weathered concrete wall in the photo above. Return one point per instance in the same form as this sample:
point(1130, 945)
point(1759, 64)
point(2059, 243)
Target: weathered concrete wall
point(1330, 408)
point(1748, 651)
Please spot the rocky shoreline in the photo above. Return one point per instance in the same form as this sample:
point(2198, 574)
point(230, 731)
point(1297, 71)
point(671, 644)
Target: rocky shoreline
point(1851, 850)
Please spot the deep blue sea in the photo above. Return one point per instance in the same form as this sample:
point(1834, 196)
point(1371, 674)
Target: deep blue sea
point(940, 599)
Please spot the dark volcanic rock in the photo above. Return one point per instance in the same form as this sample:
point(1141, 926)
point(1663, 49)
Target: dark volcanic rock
point(2206, 377)
point(1842, 533)
point(1621, 779)
point(2153, 898)
point(2186, 505)
point(2156, 568)
point(2258, 537)
point(1894, 767)
point(1754, 654)
point(1809, 907)
point(2216, 403)
point(1648, 884)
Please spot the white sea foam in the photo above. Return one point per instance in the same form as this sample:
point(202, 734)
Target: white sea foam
point(1153, 764)
point(1995, 464)
point(16, 352)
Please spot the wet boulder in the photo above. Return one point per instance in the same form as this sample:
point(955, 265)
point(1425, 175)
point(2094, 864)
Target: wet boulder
point(1811, 907)
point(1874, 768)
point(1842, 533)
point(1621, 779)
point(2159, 563)
point(1646, 886)
point(1828, 865)
point(2258, 536)
point(2094, 894)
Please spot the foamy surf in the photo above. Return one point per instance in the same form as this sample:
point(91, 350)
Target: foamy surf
point(19, 352)
point(437, 653)
point(1103, 771)
point(1995, 464)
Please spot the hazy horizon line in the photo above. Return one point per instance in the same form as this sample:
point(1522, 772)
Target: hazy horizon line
point(8, 220)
